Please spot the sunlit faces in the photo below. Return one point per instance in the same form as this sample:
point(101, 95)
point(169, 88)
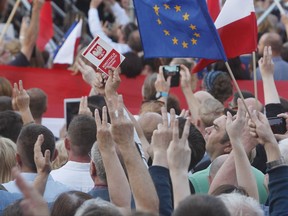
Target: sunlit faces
point(215, 137)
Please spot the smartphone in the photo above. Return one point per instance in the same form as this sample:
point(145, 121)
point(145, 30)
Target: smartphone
point(71, 109)
point(174, 72)
point(278, 125)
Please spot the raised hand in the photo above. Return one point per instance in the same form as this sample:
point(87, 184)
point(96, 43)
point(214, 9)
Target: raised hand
point(104, 137)
point(113, 83)
point(162, 85)
point(83, 107)
point(266, 64)
point(260, 129)
point(184, 113)
point(43, 163)
point(95, 79)
point(122, 129)
point(20, 97)
point(185, 79)
point(235, 127)
point(161, 138)
point(20, 102)
point(179, 152)
point(179, 156)
point(283, 136)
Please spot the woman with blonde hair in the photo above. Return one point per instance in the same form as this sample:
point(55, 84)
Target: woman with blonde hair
point(7, 159)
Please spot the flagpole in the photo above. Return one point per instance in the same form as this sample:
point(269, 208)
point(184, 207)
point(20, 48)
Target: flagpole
point(281, 9)
point(237, 87)
point(9, 20)
point(255, 79)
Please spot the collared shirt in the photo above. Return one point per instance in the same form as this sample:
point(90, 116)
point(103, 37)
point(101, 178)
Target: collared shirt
point(75, 175)
point(52, 189)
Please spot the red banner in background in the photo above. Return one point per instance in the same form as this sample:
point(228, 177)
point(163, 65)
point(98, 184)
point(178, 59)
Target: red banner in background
point(60, 84)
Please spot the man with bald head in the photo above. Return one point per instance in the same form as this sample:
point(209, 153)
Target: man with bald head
point(280, 66)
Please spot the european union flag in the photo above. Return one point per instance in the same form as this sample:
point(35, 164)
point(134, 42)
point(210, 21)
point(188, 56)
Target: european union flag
point(178, 28)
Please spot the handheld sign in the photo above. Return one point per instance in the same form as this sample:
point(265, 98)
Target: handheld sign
point(102, 55)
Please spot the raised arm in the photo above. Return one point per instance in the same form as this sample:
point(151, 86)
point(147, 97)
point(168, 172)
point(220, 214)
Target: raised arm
point(233, 167)
point(159, 170)
point(141, 184)
point(21, 102)
point(186, 87)
point(179, 156)
point(43, 165)
point(120, 196)
point(162, 85)
point(93, 78)
point(245, 177)
point(96, 28)
point(266, 66)
point(30, 36)
point(276, 166)
point(119, 12)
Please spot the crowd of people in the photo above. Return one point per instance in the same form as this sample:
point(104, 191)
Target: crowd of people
point(211, 159)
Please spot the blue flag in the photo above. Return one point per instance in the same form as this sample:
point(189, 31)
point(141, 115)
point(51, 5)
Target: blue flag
point(177, 28)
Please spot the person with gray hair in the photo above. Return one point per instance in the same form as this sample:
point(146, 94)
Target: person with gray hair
point(97, 207)
point(239, 205)
point(98, 175)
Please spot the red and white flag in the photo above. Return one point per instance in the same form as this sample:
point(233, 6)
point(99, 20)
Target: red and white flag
point(46, 31)
point(67, 51)
point(237, 28)
point(213, 8)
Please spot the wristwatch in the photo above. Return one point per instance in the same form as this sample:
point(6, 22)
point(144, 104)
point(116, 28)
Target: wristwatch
point(161, 94)
point(276, 163)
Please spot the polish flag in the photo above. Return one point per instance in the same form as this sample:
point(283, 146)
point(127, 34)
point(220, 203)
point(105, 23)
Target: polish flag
point(213, 8)
point(46, 31)
point(237, 28)
point(67, 51)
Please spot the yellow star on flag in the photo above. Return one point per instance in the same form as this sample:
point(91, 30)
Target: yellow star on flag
point(166, 6)
point(175, 41)
point(159, 21)
point(196, 34)
point(186, 16)
point(194, 41)
point(156, 10)
point(193, 27)
point(177, 8)
point(166, 32)
point(184, 44)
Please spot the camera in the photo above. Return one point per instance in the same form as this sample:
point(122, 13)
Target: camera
point(278, 125)
point(174, 72)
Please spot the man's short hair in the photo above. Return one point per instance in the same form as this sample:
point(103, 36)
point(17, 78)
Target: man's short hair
point(132, 65)
point(10, 124)
point(27, 139)
point(196, 142)
point(38, 102)
point(82, 134)
point(201, 205)
point(209, 110)
point(5, 103)
point(97, 159)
